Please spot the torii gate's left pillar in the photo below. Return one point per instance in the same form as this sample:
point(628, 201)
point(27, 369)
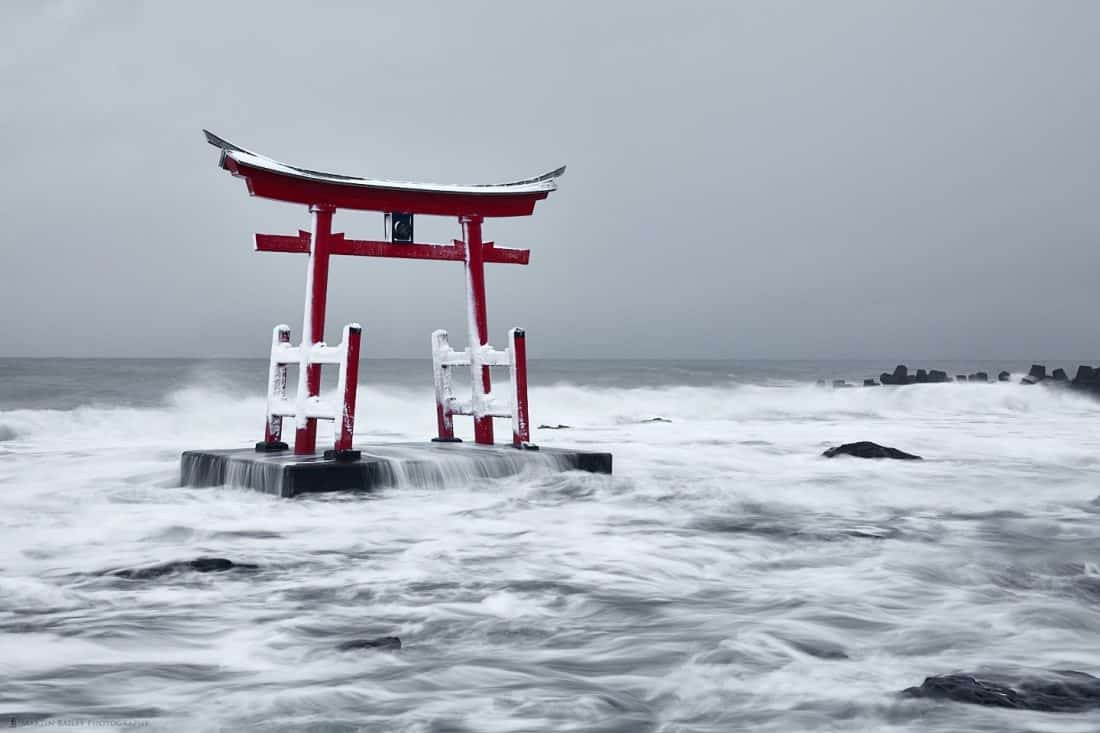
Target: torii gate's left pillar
point(313, 321)
point(477, 318)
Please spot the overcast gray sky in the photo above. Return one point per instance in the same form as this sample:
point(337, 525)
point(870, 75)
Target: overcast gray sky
point(808, 179)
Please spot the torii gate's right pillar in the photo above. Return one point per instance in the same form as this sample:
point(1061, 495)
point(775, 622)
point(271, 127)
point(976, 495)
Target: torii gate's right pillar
point(477, 320)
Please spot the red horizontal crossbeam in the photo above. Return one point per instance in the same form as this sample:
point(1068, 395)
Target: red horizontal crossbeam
point(377, 248)
point(283, 242)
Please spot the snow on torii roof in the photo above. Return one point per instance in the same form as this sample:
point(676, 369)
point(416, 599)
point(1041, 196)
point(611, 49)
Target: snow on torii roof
point(269, 178)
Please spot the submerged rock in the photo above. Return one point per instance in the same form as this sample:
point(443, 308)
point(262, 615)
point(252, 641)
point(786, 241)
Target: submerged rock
point(198, 565)
point(559, 426)
point(382, 643)
point(1004, 377)
point(1056, 691)
point(656, 419)
point(867, 449)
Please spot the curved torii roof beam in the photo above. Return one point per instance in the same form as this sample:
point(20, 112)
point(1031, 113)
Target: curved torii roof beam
point(271, 179)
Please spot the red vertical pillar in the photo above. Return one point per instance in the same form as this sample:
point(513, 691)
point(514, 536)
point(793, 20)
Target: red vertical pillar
point(444, 423)
point(521, 419)
point(476, 317)
point(313, 326)
point(346, 426)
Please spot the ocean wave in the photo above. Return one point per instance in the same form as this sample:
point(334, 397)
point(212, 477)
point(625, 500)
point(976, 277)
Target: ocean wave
point(396, 412)
point(726, 576)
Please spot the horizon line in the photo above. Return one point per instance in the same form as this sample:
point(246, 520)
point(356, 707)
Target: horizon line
point(222, 357)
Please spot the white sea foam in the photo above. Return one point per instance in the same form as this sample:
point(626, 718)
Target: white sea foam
point(726, 577)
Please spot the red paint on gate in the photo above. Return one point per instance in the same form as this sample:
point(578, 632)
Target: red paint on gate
point(347, 414)
point(445, 424)
point(454, 252)
point(324, 193)
point(305, 440)
point(521, 422)
point(293, 189)
point(479, 320)
point(283, 242)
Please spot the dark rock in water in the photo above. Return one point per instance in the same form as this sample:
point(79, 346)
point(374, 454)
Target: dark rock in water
point(656, 419)
point(198, 565)
point(821, 383)
point(1086, 374)
point(936, 376)
point(900, 375)
point(840, 384)
point(1036, 374)
point(1090, 387)
point(559, 426)
point(382, 643)
point(978, 377)
point(922, 377)
point(1057, 691)
point(1059, 375)
point(1003, 377)
point(867, 449)
point(870, 383)
point(215, 565)
point(1087, 379)
point(960, 377)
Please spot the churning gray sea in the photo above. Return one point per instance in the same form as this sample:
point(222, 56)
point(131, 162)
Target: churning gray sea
point(725, 578)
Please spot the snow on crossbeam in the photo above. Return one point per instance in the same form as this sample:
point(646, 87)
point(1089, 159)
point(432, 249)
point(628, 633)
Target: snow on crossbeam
point(454, 252)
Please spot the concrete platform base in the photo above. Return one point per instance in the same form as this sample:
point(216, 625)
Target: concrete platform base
point(396, 464)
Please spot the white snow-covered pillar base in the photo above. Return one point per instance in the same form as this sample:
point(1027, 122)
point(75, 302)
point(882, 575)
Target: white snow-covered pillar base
point(340, 408)
point(481, 404)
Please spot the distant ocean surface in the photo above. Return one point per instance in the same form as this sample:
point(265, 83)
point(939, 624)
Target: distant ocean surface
point(725, 578)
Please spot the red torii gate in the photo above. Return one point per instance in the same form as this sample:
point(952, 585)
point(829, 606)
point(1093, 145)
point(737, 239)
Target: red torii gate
point(323, 193)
